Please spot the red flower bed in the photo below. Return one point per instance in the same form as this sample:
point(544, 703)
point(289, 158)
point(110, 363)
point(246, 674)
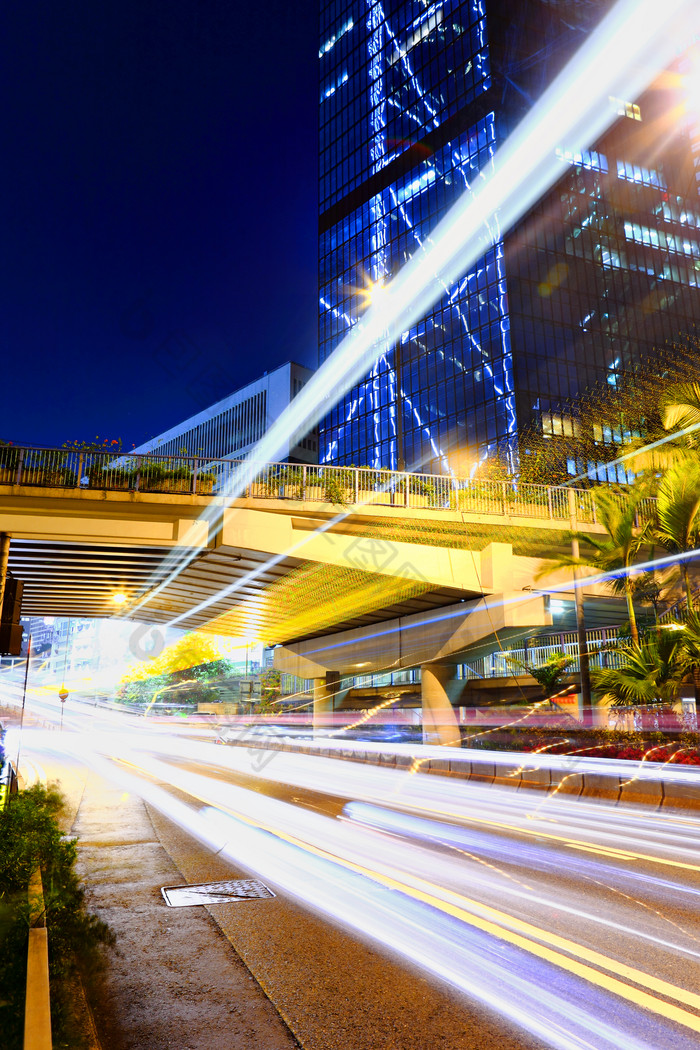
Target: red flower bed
point(626, 751)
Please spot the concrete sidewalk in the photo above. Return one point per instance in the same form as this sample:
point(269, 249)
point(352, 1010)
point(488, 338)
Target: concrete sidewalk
point(173, 980)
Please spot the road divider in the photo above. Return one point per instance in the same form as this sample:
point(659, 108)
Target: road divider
point(655, 784)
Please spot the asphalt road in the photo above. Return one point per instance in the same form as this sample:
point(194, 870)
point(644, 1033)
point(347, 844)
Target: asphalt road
point(415, 911)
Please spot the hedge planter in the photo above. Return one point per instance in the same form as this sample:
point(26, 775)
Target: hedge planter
point(177, 485)
point(47, 478)
point(110, 480)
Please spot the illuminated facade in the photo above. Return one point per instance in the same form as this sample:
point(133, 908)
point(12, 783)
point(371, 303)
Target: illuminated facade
point(415, 98)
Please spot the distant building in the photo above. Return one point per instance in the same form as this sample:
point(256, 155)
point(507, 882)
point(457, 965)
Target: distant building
point(40, 629)
point(230, 428)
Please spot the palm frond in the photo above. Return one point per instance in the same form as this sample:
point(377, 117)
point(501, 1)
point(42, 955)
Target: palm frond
point(678, 506)
point(680, 406)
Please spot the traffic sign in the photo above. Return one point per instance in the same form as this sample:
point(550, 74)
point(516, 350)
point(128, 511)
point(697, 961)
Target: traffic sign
point(62, 694)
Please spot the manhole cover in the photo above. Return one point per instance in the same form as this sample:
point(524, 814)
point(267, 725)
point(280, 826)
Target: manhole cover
point(215, 893)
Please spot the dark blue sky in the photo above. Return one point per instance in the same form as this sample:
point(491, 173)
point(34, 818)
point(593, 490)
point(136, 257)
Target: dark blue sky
point(158, 193)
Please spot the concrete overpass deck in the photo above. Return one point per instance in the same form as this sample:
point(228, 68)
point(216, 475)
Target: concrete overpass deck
point(288, 568)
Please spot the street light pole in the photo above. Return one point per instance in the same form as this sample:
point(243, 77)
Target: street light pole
point(24, 700)
point(583, 660)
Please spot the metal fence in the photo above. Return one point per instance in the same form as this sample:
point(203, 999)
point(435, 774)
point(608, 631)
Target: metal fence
point(109, 470)
point(510, 662)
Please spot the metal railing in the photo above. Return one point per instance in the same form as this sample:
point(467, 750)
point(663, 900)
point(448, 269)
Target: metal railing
point(114, 471)
point(509, 663)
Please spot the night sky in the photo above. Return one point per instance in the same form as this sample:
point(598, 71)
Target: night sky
point(158, 192)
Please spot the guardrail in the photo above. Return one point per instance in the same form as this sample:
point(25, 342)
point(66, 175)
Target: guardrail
point(110, 471)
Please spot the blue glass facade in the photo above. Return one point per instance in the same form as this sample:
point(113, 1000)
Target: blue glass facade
point(414, 100)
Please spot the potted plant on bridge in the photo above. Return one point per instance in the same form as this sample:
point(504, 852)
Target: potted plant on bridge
point(178, 479)
point(102, 476)
point(151, 474)
point(338, 485)
point(206, 480)
point(9, 458)
point(284, 480)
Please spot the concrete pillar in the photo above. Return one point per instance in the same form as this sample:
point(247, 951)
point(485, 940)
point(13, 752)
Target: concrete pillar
point(325, 692)
point(4, 557)
point(439, 720)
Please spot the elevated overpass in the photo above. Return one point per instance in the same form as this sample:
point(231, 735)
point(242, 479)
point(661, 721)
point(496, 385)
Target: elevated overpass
point(400, 570)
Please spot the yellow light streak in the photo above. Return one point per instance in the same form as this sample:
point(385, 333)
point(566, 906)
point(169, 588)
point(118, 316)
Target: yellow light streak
point(541, 943)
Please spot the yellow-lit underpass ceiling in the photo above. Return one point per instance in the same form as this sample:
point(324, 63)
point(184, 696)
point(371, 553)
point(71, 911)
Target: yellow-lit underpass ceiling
point(312, 598)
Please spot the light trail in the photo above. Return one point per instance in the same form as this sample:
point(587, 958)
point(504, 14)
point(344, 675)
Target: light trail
point(630, 47)
point(430, 910)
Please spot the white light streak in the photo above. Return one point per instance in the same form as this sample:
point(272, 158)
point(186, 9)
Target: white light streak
point(633, 43)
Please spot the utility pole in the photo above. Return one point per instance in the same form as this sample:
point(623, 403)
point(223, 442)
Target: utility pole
point(24, 701)
point(580, 621)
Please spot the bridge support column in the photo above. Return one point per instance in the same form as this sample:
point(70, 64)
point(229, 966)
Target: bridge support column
point(439, 719)
point(325, 692)
point(4, 557)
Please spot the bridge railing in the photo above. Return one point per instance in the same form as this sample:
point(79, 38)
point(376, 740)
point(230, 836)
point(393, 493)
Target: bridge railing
point(111, 470)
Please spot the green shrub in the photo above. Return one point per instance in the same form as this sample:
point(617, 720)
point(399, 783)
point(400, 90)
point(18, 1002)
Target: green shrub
point(180, 473)
point(31, 838)
point(289, 477)
point(151, 471)
point(9, 455)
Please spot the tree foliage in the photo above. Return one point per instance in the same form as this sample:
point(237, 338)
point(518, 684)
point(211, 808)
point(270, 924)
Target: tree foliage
point(192, 663)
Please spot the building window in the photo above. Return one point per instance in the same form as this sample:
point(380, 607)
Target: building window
point(626, 109)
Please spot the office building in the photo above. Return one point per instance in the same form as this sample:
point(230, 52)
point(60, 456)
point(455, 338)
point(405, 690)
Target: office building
point(415, 98)
point(231, 428)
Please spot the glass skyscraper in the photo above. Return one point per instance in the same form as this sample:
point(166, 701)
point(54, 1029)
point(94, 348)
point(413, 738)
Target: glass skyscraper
point(415, 98)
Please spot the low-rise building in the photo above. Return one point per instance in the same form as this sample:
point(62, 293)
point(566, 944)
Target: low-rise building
point(231, 428)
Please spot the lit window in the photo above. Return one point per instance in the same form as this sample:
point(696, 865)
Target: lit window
point(559, 426)
point(425, 25)
point(332, 88)
point(643, 176)
point(626, 109)
point(417, 186)
point(644, 235)
point(588, 159)
point(329, 44)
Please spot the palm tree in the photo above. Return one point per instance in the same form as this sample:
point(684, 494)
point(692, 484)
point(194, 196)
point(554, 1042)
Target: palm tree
point(676, 527)
point(688, 635)
point(656, 450)
point(615, 553)
point(547, 674)
point(652, 671)
point(679, 406)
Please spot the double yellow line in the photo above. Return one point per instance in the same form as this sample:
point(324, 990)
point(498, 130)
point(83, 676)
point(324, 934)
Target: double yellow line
point(643, 989)
point(535, 832)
